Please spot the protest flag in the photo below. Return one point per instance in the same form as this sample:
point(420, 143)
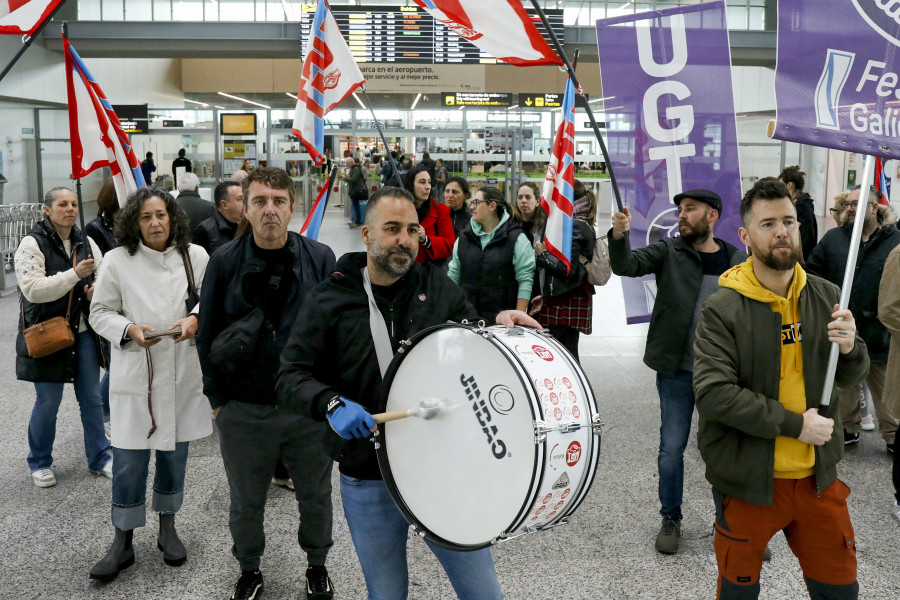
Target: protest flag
point(501, 28)
point(559, 186)
point(313, 221)
point(96, 135)
point(329, 76)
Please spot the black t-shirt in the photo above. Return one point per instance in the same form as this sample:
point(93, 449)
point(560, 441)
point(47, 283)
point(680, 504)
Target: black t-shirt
point(715, 263)
point(392, 301)
point(278, 263)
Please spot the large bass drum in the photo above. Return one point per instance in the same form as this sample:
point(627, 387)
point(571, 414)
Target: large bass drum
point(515, 447)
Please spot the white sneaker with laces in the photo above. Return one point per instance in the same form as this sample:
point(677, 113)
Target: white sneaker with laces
point(43, 478)
point(106, 471)
point(866, 423)
point(107, 431)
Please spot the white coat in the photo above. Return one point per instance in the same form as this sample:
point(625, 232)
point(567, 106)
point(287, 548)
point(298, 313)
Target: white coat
point(150, 288)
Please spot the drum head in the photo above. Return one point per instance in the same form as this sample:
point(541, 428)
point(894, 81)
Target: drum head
point(465, 476)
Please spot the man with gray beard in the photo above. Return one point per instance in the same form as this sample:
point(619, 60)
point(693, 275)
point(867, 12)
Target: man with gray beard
point(330, 371)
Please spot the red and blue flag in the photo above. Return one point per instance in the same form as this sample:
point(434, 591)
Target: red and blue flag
point(313, 221)
point(98, 139)
point(329, 75)
point(559, 187)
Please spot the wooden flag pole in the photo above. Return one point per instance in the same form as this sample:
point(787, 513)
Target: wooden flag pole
point(849, 271)
point(584, 103)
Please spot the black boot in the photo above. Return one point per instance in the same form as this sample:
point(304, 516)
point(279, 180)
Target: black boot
point(119, 557)
point(173, 550)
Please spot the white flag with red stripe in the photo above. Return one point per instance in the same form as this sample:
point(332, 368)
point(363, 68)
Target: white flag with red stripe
point(98, 139)
point(559, 185)
point(25, 16)
point(501, 28)
point(330, 74)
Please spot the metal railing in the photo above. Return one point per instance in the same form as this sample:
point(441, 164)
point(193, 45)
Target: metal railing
point(16, 220)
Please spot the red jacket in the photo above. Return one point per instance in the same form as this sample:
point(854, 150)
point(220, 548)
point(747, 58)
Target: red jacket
point(439, 229)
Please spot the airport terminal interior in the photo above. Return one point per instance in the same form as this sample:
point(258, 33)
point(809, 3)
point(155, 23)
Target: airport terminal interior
point(218, 79)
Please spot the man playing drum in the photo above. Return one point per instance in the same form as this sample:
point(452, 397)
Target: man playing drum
point(332, 367)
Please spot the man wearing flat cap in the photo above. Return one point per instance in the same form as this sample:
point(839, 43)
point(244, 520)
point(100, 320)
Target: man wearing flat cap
point(687, 269)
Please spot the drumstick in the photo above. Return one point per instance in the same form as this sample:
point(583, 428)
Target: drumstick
point(427, 409)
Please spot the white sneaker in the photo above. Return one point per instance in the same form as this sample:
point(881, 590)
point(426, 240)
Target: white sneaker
point(866, 423)
point(43, 478)
point(107, 431)
point(896, 510)
point(106, 471)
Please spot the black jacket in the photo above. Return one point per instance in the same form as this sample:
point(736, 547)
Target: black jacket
point(60, 366)
point(829, 260)
point(197, 208)
point(101, 231)
point(460, 219)
point(679, 274)
point(809, 229)
point(556, 281)
point(232, 287)
point(214, 232)
point(331, 352)
point(488, 275)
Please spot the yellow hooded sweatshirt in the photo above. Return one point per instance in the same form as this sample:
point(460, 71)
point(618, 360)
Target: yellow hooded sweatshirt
point(793, 458)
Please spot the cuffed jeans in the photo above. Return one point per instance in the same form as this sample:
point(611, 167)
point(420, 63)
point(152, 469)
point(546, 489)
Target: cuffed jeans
point(129, 485)
point(251, 438)
point(380, 534)
point(42, 426)
point(676, 404)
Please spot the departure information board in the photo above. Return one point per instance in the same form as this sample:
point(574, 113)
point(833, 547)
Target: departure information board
point(409, 34)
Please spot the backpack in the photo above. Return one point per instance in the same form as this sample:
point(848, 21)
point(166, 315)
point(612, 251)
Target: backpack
point(598, 268)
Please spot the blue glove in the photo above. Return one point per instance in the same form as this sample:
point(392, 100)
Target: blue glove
point(349, 419)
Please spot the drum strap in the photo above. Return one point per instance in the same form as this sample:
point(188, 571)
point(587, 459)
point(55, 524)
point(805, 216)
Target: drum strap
point(380, 337)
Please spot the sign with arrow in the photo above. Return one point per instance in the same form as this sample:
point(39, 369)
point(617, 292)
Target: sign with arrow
point(541, 100)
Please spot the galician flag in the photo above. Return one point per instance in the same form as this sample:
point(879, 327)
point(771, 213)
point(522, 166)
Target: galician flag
point(501, 28)
point(559, 187)
point(329, 75)
point(97, 136)
point(19, 17)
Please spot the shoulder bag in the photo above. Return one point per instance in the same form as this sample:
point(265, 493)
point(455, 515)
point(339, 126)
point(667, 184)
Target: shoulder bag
point(52, 335)
point(193, 297)
point(598, 268)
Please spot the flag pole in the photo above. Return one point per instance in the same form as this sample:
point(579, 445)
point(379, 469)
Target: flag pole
point(849, 271)
point(579, 95)
point(27, 39)
point(387, 150)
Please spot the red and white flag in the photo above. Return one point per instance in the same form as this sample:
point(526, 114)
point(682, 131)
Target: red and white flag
point(25, 16)
point(558, 195)
point(98, 139)
point(330, 74)
point(501, 28)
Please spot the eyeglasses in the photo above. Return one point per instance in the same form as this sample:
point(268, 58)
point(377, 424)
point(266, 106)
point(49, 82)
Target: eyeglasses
point(475, 202)
point(846, 205)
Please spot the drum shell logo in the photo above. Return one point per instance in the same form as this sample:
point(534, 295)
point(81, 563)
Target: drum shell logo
point(883, 16)
point(483, 412)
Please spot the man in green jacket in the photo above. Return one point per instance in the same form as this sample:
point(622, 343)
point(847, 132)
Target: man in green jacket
point(758, 377)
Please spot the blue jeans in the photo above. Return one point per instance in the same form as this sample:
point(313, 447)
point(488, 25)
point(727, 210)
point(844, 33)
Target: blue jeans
point(676, 404)
point(129, 486)
point(42, 426)
point(380, 533)
point(355, 212)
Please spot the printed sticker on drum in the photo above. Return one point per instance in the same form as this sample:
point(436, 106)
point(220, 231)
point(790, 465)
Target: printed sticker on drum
point(558, 413)
point(576, 412)
point(573, 454)
point(548, 384)
point(562, 482)
point(547, 499)
point(542, 353)
point(554, 398)
point(567, 383)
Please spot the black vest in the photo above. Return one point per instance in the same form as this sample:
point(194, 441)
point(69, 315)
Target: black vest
point(488, 276)
point(60, 366)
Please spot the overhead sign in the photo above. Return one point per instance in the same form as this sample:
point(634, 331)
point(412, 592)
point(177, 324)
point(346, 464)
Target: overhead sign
point(476, 99)
point(540, 100)
point(674, 127)
point(132, 117)
point(173, 123)
point(836, 79)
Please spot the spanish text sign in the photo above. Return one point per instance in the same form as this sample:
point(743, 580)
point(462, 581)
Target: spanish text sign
point(670, 122)
point(837, 80)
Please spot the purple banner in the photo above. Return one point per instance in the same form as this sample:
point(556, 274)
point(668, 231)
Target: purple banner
point(836, 81)
point(666, 77)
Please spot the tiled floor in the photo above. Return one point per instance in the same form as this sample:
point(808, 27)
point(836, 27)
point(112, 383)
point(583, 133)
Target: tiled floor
point(49, 538)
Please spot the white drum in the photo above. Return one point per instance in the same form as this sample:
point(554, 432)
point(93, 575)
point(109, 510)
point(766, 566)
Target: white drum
point(515, 449)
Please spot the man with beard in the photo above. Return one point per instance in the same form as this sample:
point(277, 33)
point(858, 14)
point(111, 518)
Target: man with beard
point(829, 260)
point(256, 284)
point(770, 456)
point(346, 334)
point(687, 269)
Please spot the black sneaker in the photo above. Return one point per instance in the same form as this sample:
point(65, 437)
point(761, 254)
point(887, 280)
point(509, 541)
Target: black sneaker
point(318, 584)
point(850, 438)
point(249, 586)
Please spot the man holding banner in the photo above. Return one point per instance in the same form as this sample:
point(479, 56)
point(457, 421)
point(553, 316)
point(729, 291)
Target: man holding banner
point(770, 456)
point(687, 270)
